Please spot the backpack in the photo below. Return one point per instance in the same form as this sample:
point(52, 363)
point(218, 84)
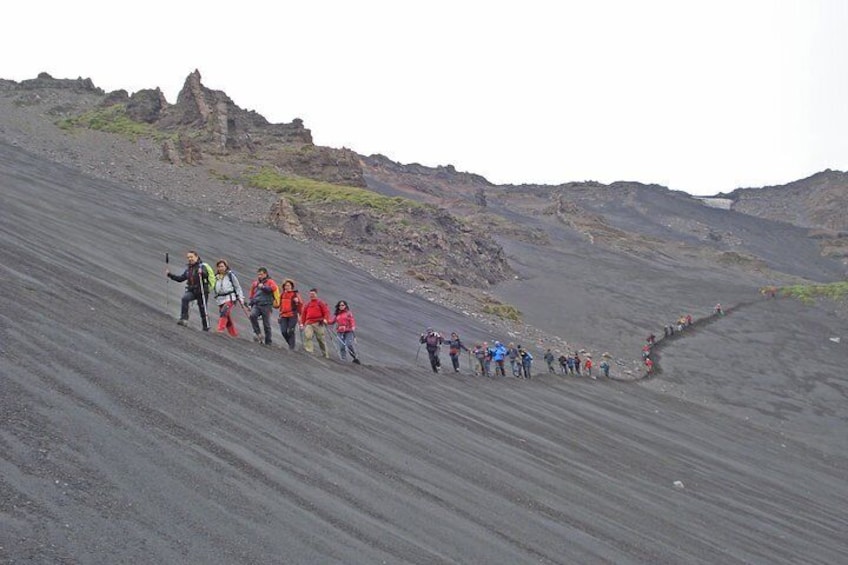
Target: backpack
point(432, 340)
point(209, 282)
point(276, 295)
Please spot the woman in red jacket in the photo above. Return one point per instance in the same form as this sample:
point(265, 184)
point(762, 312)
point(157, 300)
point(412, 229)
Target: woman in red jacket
point(345, 328)
point(291, 306)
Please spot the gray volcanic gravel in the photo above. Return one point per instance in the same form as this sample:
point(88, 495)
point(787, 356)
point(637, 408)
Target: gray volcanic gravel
point(126, 438)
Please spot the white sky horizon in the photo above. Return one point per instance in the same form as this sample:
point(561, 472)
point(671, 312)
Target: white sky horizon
point(702, 98)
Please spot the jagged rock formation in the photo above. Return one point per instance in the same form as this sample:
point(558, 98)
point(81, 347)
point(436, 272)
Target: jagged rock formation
point(146, 105)
point(44, 82)
point(227, 127)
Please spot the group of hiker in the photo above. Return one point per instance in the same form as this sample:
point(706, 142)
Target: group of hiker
point(264, 300)
point(491, 360)
point(683, 322)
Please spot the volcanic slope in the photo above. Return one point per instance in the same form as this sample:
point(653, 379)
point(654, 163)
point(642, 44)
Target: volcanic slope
point(126, 438)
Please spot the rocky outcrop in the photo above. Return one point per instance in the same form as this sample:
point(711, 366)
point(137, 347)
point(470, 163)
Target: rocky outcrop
point(428, 241)
point(429, 184)
point(115, 97)
point(146, 105)
point(227, 127)
point(45, 81)
point(818, 201)
point(284, 218)
point(181, 151)
point(336, 166)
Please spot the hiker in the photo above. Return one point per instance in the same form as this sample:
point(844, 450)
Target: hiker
point(649, 366)
point(228, 293)
point(514, 360)
point(199, 281)
point(646, 351)
point(587, 366)
point(563, 364)
point(291, 306)
point(651, 339)
point(605, 368)
point(499, 354)
point(345, 330)
point(718, 311)
point(264, 297)
point(526, 361)
point(577, 363)
point(313, 318)
point(432, 340)
point(549, 359)
point(688, 320)
point(480, 353)
point(570, 362)
point(455, 348)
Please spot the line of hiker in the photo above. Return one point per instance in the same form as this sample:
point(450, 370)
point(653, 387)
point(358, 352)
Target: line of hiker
point(682, 323)
point(265, 300)
point(491, 360)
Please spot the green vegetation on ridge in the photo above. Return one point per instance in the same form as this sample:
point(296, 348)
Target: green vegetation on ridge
point(809, 292)
point(112, 119)
point(310, 190)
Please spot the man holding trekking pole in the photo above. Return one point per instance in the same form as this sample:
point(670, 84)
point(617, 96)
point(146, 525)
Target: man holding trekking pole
point(198, 281)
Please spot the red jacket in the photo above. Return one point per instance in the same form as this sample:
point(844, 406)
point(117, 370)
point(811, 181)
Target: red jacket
point(315, 311)
point(344, 322)
point(291, 305)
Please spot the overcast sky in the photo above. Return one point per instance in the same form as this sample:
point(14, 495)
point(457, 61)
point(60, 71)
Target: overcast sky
point(700, 96)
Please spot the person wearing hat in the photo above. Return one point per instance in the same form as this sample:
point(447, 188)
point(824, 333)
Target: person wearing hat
point(432, 340)
point(588, 364)
point(526, 362)
point(264, 296)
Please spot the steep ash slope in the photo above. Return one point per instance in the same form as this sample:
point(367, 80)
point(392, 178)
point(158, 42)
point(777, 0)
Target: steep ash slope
point(128, 439)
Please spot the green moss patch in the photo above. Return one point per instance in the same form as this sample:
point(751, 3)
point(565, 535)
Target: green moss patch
point(809, 292)
point(309, 190)
point(112, 119)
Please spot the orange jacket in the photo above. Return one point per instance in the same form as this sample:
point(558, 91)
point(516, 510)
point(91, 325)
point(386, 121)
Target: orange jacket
point(291, 305)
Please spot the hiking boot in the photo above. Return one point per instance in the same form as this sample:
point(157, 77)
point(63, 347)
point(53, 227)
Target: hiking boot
point(183, 323)
point(355, 360)
point(258, 338)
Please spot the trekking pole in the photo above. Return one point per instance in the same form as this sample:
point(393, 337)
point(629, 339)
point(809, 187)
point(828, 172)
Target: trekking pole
point(336, 335)
point(167, 286)
point(347, 347)
point(419, 351)
point(204, 292)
